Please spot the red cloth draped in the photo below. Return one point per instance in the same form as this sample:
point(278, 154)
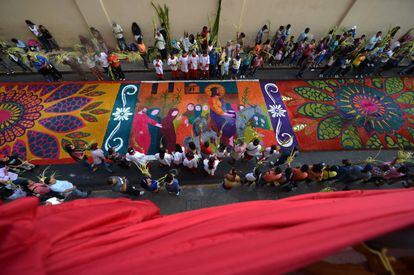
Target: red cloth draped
point(108, 236)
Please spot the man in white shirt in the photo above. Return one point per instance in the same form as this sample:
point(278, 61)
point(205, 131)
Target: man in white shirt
point(98, 158)
point(184, 60)
point(135, 157)
point(119, 35)
point(173, 63)
point(64, 187)
point(158, 67)
point(373, 41)
point(204, 65)
point(193, 61)
point(160, 45)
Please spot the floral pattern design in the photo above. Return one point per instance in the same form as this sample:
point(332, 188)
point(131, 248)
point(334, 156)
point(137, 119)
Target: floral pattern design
point(352, 114)
point(32, 117)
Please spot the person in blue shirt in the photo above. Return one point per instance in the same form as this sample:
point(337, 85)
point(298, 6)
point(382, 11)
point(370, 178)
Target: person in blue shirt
point(44, 67)
point(150, 185)
point(213, 62)
point(172, 184)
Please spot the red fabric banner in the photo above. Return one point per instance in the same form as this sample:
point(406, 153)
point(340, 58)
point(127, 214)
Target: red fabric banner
point(107, 236)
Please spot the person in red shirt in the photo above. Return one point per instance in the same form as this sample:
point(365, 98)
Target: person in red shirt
point(78, 155)
point(273, 176)
point(113, 59)
point(300, 173)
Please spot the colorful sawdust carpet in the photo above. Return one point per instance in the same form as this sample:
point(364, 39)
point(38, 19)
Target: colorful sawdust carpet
point(38, 119)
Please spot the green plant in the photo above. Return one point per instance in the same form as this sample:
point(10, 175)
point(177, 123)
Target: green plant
point(215, 29)
point(163, 18)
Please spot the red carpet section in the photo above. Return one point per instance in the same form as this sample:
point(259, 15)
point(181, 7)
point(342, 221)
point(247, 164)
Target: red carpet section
point(338, 114)
point(119, 236)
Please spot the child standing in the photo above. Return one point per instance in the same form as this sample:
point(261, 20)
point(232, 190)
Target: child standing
point(193, 60)
point(184, 65)
point(204, 65)
point(235, 67)
point(173, 63)
point(115, 63)
point(225, 64)
point(158, 68)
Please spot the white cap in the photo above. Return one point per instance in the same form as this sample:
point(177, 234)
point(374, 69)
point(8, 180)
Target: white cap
point(353, 28)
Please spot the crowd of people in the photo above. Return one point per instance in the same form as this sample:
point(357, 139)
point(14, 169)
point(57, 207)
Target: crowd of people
point(338, 53)
point(272, 167)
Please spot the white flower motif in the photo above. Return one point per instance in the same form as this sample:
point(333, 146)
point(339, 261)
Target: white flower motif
point(277, 111)
point(122, 114)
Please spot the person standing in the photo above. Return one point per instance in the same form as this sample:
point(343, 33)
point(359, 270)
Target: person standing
point(43, 66)
point(102, 59)
point(164, 158)
point(184, 61)
point(158, 67)
point(210, 165)
point(142, 49)
point(99, 40)
point(78, 155)
point(260, 33)
point(161, 45)
point(135, 157)
point(225, 65)
point(115, 63)
point(19, 43)
point(373, 41)
point(172, 184)
point(235, 67)
point(16, 58)
point(191, 161)
point(303, 35)
point(173, 63)
point(204, 65)
point(91, 64)
point(98, 158)
point(193, 61)
point(119, 35)
point(257, 62)
point(39, 35)
point(213, 62)
point(49, 38)
point(253, 149)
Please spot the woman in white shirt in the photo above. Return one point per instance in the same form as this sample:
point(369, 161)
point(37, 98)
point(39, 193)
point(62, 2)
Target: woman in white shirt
point(173, 63)
point(98, 158)
point(135, 157)
point(210, 165)
point(193, 60)
point(178, 154)
point(191, 162)
point(253, 149)
point(164, 158)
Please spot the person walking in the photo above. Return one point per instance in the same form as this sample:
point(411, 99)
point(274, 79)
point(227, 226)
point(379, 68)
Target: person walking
point(98, 158)
point(38, 34)
point(119, 35)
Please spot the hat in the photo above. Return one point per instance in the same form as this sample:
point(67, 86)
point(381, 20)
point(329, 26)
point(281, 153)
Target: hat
point(353, 28)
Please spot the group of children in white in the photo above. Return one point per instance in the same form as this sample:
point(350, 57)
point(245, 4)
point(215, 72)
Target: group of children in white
point(189, 66)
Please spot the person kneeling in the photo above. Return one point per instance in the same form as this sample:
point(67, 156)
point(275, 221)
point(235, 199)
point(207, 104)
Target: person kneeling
point(122, 185)
point(231, 179)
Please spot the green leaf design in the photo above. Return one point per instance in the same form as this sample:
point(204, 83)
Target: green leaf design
point(351, 138)
point(99, 111)
point(330, 127)
point(89, 118)
point(332, 82)
point(393, 85)
point(390, 142)
point(403, 142)
point(78, 135)
point(315, 110)
point(409, 111)
point(377, 82)
point(92, 106)
point(313, 94)
point(373, 142)
point(406, 98)
point(321, 84)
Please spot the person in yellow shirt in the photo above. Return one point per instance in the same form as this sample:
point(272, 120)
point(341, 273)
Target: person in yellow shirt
point(359, 63)
point(329, 172)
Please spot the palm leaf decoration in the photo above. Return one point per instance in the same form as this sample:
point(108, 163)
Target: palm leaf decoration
point(163, 13)
point(215, 29)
